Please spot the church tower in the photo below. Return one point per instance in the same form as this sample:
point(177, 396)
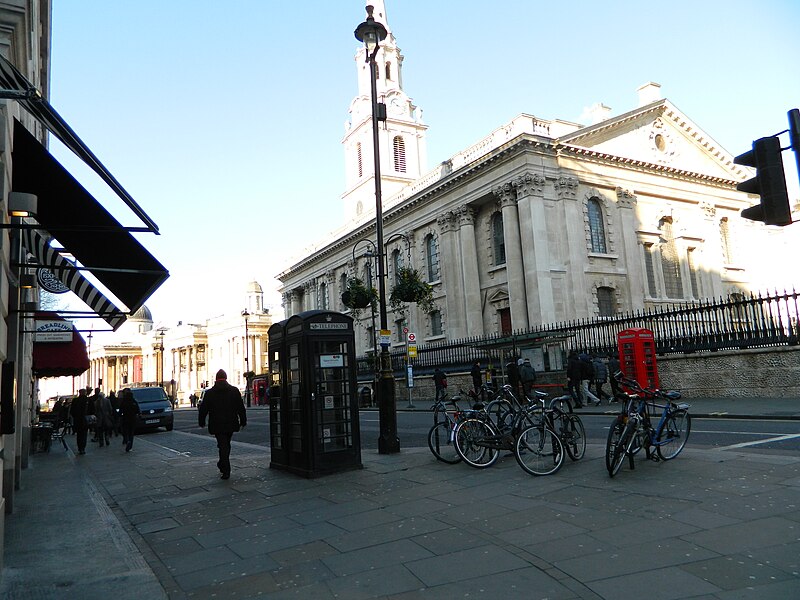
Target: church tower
point(401, 138)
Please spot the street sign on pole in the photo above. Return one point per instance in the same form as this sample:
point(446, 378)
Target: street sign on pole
point(412, 338)
point(412, 351)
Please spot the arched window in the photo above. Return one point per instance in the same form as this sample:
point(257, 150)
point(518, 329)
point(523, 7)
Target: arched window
point(597, 230)
point(725, 239)
point(670, 262)
point(432, 257)
point(691, 262)
point(322, 296)
point(399, 154)
point(605, 302)
point(436, 323)
point(388, 71)
point(649, 270)
point(359, 160)
point(397, 264)
point(342, 288)
point(498, 239)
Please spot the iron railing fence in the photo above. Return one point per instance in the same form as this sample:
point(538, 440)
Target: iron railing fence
point(737, 322)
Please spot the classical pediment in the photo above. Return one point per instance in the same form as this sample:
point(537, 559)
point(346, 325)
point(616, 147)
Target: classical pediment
point(660, 134)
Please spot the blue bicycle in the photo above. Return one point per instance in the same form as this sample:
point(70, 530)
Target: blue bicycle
point(633, 428)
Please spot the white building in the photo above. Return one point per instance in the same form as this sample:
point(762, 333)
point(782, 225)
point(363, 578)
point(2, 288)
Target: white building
point(541, 221)
point(184, 357)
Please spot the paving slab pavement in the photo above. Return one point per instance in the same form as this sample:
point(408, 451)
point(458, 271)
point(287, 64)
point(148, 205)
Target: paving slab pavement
point(159, 523)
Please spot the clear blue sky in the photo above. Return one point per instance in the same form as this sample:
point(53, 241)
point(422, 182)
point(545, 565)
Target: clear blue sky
point(224, 120)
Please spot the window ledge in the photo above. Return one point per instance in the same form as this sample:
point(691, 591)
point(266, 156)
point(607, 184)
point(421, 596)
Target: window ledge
point(603, 255)
point(433, 338)
point(496, 268)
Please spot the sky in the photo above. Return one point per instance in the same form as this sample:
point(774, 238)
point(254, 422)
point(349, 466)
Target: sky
point(224, 121)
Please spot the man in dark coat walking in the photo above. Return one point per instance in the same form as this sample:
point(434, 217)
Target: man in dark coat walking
point(224, 407)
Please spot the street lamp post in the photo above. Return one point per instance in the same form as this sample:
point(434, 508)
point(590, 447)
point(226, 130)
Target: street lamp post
point(161, 351)
point(371, 33)
point(246, 315)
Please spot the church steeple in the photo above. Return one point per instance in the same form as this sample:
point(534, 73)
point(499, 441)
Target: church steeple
point(402, 145)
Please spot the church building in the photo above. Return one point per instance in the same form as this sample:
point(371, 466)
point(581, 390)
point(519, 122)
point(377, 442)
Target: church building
point(543, 220)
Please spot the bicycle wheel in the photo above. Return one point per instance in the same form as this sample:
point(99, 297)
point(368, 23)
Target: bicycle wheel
point(673, 434)
point(469, 438)
point(441, 443)
point(539, 450)
point(573, 435)
point(618, 438)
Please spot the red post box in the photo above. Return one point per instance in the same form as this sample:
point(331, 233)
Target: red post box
point(637, 356)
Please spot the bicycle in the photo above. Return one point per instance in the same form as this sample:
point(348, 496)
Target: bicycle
point(479, 441)
point(633, 429)
point(446, 415)
point(540, 447)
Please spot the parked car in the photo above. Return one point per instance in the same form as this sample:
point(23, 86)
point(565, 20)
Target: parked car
point(155, 407)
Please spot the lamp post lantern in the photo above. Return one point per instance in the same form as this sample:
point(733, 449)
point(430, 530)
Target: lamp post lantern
point(372, 33)
point(246, 315)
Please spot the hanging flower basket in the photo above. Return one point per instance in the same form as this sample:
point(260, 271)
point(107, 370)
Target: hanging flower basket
point(357, 295)
point(410, 288)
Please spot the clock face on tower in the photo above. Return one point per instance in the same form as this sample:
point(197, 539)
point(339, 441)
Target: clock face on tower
point(396, 105)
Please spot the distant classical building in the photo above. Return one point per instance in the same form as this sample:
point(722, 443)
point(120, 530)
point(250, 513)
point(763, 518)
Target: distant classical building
point(541, 221)
point(185, 357)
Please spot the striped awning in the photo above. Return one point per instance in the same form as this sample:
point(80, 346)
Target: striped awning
point(37, 243)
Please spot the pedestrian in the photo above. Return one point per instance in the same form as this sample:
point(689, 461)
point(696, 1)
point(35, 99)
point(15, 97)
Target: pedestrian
point(115, 401)
point(91, 417)
point(129, 412)
point(574, 378)
point(512, 374)
point(104, 413)
point(587, 377)
point(78, 412)
point(600, 378)
point(527, 377)
point(477, 377)
point(440, 383)
point(193, 400)
point(613, 370)
point(224, 407)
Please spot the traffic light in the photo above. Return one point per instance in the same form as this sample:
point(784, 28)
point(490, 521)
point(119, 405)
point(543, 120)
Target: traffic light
point(769, 183)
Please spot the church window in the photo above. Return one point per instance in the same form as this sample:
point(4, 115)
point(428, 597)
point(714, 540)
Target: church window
point(597, 230)
point(691, 261)
point(725, 238)
point(605, 302)
point(432, 257)
point(360, 160)
point(388, 71)
point(436, 323)
point(322, 296)
point(650, 270)
point(397, 264)
point(342, 287)
point(399, 146)
point(400, 335)
point(670, 263)
point(498, 239)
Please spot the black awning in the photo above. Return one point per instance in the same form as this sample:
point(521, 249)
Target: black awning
point(82, 226)
point(47, 256)
point(16, 87)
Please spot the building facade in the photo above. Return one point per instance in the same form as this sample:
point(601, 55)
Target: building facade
point(545, 220)
point(183, 358)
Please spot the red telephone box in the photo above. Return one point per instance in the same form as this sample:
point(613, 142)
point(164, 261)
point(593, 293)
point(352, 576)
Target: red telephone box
point(637, 356)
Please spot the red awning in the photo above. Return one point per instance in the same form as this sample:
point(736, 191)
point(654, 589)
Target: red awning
point(59, 359)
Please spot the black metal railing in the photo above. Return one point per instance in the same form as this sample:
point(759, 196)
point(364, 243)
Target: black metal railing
point(737, 322)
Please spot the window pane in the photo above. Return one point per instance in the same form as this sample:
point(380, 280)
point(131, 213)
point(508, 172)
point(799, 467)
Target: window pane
point(498, 239)
point(605, 302)
point(436, 323)
point(597, 230)
point(649, 270)
point(670, 263)
point(432, 258)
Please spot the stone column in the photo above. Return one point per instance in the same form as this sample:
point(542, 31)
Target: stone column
point(451, 277)
point(535, 248)
point(710, 267)
point(575, 247)
point(515, 270)
point(634, 254)
point(469, 271)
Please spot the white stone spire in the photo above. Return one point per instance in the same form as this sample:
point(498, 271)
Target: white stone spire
point(402, 145)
